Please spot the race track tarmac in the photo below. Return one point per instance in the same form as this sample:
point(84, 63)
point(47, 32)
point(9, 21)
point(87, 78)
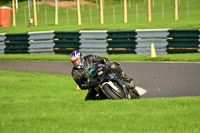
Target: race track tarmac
point(158, 78)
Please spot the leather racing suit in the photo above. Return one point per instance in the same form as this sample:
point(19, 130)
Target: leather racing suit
point(78, 74)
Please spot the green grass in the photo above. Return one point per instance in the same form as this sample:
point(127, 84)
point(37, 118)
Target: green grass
point(184, 21)
point(35, 102)
point(194, 57)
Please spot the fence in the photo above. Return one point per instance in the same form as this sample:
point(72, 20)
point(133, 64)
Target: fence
point(2, 43)
point(121, 42)
point(41, 42)
point(183, 41)
point(66, 41)
point(101, 42)
point(93, 42)
point(16, 43)
point(157, 36)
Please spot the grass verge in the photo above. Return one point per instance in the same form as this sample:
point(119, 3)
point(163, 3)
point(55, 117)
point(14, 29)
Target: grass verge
point(38, 102)
point(194, 57)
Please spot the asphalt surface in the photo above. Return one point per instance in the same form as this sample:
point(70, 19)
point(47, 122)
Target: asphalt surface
point(159, 79)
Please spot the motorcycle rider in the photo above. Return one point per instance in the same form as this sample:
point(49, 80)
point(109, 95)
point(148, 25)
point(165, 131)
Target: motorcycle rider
point(78, 72)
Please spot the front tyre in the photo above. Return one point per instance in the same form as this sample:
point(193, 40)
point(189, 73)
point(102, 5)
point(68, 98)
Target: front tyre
point(113, 90)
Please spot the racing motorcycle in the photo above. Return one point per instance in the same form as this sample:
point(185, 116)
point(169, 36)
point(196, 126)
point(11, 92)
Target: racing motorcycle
point(112, 84)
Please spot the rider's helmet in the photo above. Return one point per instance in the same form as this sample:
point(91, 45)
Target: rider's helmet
point(77, 59)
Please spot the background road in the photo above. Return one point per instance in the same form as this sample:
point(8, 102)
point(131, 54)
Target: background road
point(159, 79)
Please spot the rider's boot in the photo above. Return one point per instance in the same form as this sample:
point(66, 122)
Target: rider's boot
point(130, 85)
point(128, 79)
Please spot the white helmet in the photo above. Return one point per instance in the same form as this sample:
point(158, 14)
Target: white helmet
point(77, 59)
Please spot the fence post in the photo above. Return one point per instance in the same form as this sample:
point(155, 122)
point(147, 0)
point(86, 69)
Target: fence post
point(78, 12)
point(176, 10)
point(56, 12)
point(35, 13)
point(149, 10)
point(101, 12)
point(125, 11)
point(14, 18)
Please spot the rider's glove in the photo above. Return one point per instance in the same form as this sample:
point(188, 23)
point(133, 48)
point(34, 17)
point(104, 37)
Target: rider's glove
point(107, 65)
point(84, 86)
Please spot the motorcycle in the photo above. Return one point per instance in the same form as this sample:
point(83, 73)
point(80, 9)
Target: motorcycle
point(112, 84)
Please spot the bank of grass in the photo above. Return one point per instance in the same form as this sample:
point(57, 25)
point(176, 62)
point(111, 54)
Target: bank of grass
point(37, 102)
point(70, 24)
point(192, 57)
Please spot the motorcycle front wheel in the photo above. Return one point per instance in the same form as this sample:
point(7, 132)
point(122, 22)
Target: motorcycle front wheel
point(113, 93)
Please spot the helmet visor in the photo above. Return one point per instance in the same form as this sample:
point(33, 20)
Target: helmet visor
point(77, 62)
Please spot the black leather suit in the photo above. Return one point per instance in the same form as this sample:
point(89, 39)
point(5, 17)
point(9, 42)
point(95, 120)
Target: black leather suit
point(78, 74)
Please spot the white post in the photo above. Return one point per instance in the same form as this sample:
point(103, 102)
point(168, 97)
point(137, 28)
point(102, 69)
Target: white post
point(29, 10)
point(97, 4)
point(25, 15)
point(38, 6)
point(121, 3)
point(75, 4)
point(163, 17)
point(153, 3)
point(67, 16)
point(144, 3)
point(188, 10)
point(45, 16)
point(29, 13)
point(82, 2)
point(113, 14)
point(10, 3)
point(137, 12)
point(90, 15)
point(129, 3)
point(30, 5)
point(179, 2)
point(16, 5)
point(58, 4)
